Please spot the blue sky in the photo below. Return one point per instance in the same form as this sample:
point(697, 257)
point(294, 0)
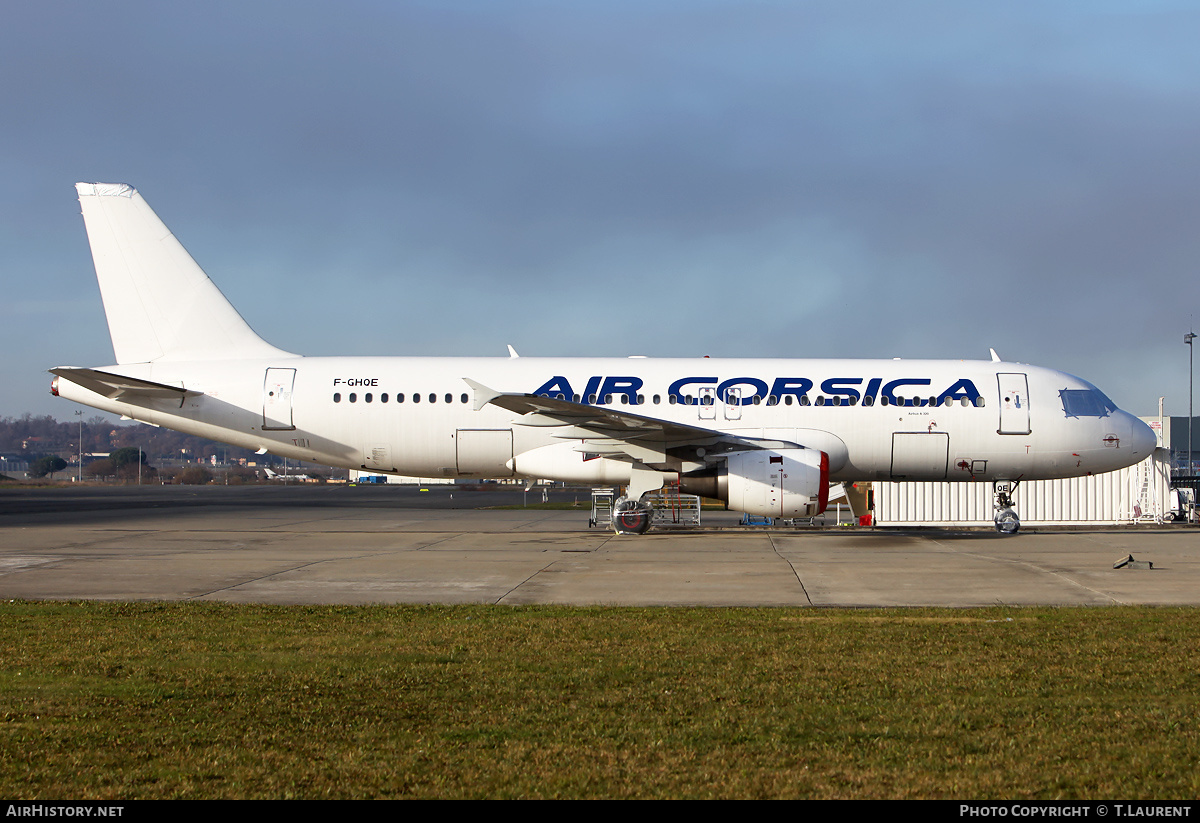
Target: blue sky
point(805, 179)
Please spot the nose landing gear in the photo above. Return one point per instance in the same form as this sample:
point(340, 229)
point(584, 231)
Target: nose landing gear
point(1006, 518)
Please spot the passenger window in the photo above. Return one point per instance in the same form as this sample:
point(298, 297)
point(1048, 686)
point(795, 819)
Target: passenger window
point(449, 398)
point(400, 397)
point(432, 397)
point(383, 397)
point(416, 397)
point(464, 398)
point(367, 397)
point(337, 397)
point(353, 397)
point(657, 399)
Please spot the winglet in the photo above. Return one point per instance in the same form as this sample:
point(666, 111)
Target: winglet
point(483, 395)
point(995, 357)
point(512, 353)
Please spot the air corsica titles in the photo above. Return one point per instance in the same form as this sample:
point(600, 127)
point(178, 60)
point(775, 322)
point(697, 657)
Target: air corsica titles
point(601, 388)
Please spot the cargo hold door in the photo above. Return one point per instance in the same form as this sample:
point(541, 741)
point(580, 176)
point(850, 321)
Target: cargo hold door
point(920, 455)
point(484, 453)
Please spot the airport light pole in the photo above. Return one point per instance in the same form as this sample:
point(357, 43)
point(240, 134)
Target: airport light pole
point(1188, 338)
point(79, 414)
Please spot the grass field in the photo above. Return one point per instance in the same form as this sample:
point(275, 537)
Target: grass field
point(165, 700)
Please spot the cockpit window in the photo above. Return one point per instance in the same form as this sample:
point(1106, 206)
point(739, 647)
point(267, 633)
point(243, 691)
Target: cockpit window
point(1086, 403)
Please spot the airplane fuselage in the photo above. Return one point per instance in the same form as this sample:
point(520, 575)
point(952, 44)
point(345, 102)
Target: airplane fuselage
point(876, 419)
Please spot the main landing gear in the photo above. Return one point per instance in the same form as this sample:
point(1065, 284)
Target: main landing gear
point(1006, 519)
point(631, 516)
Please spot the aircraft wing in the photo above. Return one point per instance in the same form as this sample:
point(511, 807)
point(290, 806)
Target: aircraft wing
point(625, 432)
point(115, 386)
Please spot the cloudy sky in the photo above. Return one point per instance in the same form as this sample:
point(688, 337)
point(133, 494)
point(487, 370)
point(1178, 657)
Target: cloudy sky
point(783, 179)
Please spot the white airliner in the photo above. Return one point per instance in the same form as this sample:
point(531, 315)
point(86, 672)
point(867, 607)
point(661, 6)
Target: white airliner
point(287, 478)
point(766, 436)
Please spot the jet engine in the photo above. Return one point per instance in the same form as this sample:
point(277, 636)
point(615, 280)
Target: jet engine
point(784, 483)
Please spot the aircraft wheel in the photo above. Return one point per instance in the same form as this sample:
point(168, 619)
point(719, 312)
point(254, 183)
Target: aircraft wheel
point(1007, 521)
point(631, 517)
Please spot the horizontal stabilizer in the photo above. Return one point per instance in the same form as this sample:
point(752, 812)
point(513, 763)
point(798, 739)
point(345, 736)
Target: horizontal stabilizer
point(114, 386)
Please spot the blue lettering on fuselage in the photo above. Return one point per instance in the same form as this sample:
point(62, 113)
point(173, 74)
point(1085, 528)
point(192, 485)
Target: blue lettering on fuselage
point(892, 385)
point(589, 393)
point(677, 387)
point(602, 387)
point(962, 390)
point(622, 385)
point(556, 387)
point(760, 388)
point(832, 388)
point(795, 386)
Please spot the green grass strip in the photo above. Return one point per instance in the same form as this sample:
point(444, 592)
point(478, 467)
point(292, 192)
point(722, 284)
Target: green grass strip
point(197, 700)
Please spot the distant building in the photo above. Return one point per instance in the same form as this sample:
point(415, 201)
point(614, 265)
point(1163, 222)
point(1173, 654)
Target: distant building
point(1173, 435)
point(356, 475)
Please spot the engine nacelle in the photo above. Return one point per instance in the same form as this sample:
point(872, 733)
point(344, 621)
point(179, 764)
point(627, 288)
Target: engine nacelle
point(563, 462)
point(784, 483)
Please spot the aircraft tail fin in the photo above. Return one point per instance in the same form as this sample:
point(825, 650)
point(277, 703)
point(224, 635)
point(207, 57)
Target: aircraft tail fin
point(160, 304)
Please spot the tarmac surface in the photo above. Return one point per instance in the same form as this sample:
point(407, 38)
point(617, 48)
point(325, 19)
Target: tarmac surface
point(389, 544)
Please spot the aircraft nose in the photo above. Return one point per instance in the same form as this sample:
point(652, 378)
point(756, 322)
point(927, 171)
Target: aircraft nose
point(1141, 437)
